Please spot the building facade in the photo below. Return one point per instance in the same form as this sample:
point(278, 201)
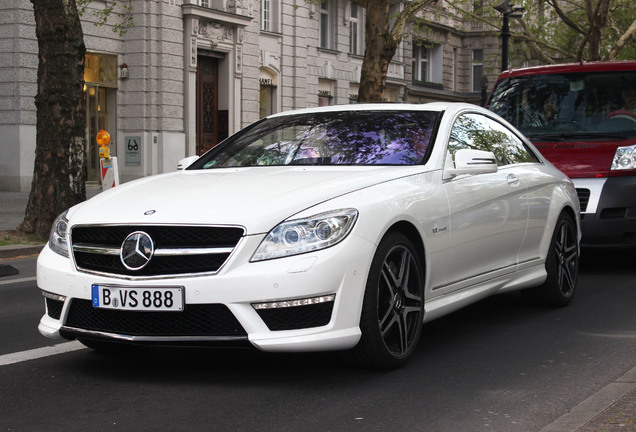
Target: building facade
point(191, 72)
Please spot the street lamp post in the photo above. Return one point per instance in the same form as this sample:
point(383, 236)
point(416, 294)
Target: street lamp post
point(507, 10)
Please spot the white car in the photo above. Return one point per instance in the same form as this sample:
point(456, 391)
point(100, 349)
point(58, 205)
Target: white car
point(337, 228)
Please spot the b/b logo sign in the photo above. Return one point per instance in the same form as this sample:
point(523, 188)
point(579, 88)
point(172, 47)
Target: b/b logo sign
point(133, 150)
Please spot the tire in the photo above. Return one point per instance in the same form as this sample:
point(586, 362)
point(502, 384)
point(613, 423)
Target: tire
point(393, 305)
point(562, 266)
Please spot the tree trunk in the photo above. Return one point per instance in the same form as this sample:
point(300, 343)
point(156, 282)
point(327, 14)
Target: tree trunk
point(597, 17)
point(59, 172)
point(375, 64)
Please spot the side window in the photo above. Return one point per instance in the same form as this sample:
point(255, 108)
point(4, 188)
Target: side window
point(478, 132)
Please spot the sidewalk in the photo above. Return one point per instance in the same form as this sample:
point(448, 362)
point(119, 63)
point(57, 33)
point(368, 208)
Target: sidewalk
point(12, 207)
point(612, 409)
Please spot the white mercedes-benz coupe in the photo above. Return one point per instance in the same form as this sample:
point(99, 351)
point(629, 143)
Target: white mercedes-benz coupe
point(337, 228)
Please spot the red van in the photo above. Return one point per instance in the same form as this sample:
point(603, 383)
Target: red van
point(582, 117)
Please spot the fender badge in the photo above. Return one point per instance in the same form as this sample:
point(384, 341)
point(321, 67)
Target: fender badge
point(150, 212)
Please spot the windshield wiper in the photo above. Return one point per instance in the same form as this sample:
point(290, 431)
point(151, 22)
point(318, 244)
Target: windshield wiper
point(565, 136)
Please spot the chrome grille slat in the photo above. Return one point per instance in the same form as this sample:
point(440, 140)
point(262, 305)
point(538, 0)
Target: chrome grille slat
point(105, 250)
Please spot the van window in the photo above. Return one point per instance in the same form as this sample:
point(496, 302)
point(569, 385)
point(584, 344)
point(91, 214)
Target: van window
point(568, 104)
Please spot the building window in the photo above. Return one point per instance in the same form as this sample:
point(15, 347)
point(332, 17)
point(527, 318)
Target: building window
point(420, 63)
point(427, 62)
point(355, 30)
point(266, 15)
point(478, 68)
point(327, 21)
point(269, 15)
point(205, 3)
point(454, 79)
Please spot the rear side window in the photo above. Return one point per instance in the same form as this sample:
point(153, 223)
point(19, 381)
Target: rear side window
point(478, 132)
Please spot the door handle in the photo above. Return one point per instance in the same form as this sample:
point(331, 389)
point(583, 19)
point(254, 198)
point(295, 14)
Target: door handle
point(513, 180)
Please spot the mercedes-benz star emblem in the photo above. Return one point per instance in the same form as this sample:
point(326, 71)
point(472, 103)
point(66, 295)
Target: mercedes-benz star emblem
point(137, 250)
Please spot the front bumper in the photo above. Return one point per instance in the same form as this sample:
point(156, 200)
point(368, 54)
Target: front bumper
point(608, 211)
point(225, 299)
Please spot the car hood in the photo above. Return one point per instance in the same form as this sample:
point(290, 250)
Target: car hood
point(582, 158)
point(256, 198)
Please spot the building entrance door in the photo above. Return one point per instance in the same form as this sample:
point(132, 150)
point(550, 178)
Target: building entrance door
point(207, 104)
point(96, 120)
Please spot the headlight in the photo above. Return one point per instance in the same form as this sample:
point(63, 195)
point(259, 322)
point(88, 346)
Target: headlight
point(305, 235)
point(58, 239)
point(625, 158)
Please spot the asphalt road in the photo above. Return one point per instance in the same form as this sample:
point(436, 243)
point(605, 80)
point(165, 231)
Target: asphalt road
point(499, 365)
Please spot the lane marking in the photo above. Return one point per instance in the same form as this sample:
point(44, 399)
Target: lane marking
point(11, 281)
point(37, 353)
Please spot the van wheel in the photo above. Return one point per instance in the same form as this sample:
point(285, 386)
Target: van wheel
point(562, 266)
point(393, 305)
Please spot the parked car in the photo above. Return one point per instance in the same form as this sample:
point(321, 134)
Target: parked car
point(337, 228)
point(582, 117)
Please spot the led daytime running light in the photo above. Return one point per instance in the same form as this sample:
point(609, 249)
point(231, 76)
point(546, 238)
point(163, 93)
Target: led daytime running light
point(52, 296)
point(295, 303)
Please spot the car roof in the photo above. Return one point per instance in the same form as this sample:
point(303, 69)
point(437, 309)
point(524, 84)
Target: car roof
point(571, 67)
point(433, 106)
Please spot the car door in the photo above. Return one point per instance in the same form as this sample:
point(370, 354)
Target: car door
point(488, 212)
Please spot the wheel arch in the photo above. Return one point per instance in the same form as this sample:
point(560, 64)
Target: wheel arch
point(410, 231)
point(571, 212)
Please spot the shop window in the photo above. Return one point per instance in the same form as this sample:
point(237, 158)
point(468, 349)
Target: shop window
point(101, 69)
point(325, 92)
point(268, 86)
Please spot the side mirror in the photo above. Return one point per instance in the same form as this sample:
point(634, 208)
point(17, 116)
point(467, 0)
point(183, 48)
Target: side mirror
point(186, 162)
point(469, 161)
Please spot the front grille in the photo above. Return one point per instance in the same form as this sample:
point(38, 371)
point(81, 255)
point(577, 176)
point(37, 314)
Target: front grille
point(584, 198)
point(297, 317)
point(97, 248)
point(54, 308)
point(195, 320)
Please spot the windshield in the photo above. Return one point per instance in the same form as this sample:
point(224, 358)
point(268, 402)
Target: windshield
point(576, 105)
point(333, 138)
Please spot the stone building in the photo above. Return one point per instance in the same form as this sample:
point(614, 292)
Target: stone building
point(191, 72)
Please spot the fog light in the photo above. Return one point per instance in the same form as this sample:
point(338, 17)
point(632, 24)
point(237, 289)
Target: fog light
point(294, 303)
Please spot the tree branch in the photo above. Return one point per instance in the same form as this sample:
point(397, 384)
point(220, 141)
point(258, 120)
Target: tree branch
point(412, 8)
point(565, 18)
point(622, 41)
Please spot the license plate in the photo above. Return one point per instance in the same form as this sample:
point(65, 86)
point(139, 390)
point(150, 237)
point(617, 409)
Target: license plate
point(138, 298)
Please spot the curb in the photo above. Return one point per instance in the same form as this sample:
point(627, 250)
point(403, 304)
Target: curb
point(19, 250)
point(604, 410)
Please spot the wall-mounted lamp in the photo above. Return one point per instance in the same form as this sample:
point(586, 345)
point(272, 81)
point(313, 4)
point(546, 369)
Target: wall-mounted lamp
point(123, 71)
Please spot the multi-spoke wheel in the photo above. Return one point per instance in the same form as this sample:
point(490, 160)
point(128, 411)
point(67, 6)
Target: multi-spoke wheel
point(393, 307)
point(562, 266)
